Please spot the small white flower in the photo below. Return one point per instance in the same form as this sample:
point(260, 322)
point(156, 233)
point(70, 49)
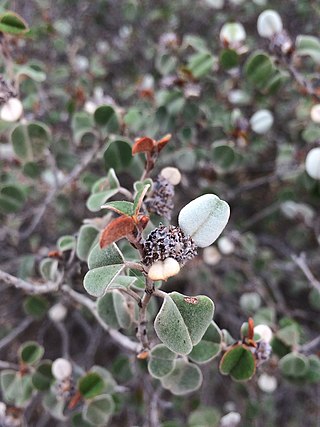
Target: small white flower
point(171, 174)
point(90, 107)
point(162, 270)
point(264, 332)
point(315, 113)
point(230, 420)
point(61, 369)
point(12, 110)
point(269, 23)
point(261, 121)
point(233, 33)
point(225, 245)
point(267, 383)
point(57, 312)
point(313, 163)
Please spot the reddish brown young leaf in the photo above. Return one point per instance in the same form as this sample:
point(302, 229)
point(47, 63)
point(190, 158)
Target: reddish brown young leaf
point(143, 145)
point(250, 328)
point(163, 142)
point(116, 229)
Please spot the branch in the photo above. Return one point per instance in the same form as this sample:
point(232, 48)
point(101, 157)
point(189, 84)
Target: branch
point(30, 288)
point(121, 339)
point(54, 192)
point(300, 261)
point(15, 332)
point(309, 346)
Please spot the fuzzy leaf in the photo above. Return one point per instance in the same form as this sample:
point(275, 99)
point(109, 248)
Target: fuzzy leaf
point(182, 321)
point(30, 352)
point(204, 219)
point(139, 198)
point(209, 347)
point(90, 385)
point(294, 365)
point(113, 310)
point(86, 241)
point(102, 190)
point(239, 363)
point(122, 207)
point(96, 281)
point(185, 378)
point(30, 140)
point(116, 230)
point(118, 155)
point(12, 23)
point(66, 243)
point(99, 410)
point(161, 362)
point(42, 378)
point(12, 199)
point(102, 257)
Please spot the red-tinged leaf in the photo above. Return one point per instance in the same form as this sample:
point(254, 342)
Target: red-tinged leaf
point(163, 142)
point(143, 145)
point(250, 328)
point(116, 229)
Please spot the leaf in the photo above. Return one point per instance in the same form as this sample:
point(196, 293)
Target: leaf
point(113, 310)
point(87, 239)
point(16, 389)
point(239, 363)
point(289, 335)
point(96, 281)
point(102, 190)
point(42, 378)
point(200, 64)
point(308, 45)
point(204, 417)
point(12, 23)
point(66, 243)
point(49, 269)
point(36, 306)
point(124, 282)
point(12, 199)
point(90, 385)
point(223, 155)
point(30, 140)
point(54, 406)
point(294, 365)
point(109, 382)
point(161, 362)
point(99, 410)
point(259, 69)
point(204, 219)
point(102, 257)
point(209, 347)
point(143, 145)
point(118, 155)
point(82, 124)
point(116, 230)
point(229, 59)
point(139, 198)
point(122, 207)
point(31, 71)
point(185, 378)
point(182, 321)
point(30, 352)
point(104, 114)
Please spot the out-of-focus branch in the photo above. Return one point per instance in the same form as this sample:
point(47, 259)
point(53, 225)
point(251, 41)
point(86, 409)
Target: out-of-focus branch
point(15, 332)
point(121, 339)
point(301, 262)
point(30, 288)
point(310, 346)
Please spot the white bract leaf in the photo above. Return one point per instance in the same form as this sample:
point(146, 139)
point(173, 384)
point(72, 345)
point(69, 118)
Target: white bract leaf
point(232, 32)
point(204, 219)
point(171, 174)
point(313, 163)
point(12, 110)
point(269, 23)
point(61, 369)
point(57, 312)
point(226, 246)
point(267, 383)
point(264, 332)
point(261, 121)
point(162, 270)
point(315, 113)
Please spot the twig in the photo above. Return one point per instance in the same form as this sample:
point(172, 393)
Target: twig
point(15, 332)
point(300, 261)
point(53, 193)
point(8, 365)
point(121, 339)
point(30, 288)
point(142, 322)
point(309, 346)
point(64, 339)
